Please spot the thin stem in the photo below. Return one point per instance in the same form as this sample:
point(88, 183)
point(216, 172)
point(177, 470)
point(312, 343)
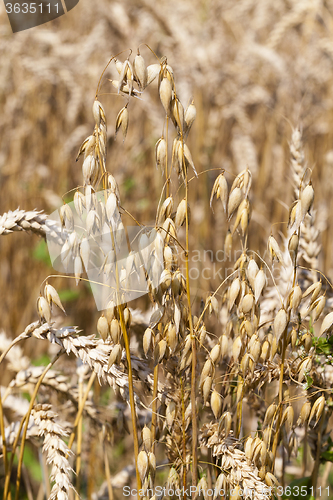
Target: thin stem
point(80, 409)
point(2, 431)
point(107, 473)
point(305, 450)
point(120, 307)
point(167, 178)
point(79, 443)
point(283, 356)
point(22, 336)
point(183, 432)
point(131, 394)
point(154, 409)
point(239, 414)
point(194, 351)
point(314, 475)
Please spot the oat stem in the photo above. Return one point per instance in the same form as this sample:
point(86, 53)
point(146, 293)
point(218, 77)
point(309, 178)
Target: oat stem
point(314, 475)
point(183, 431)
point(127, 348)
point(154, 409)
point(167, 177)
point(194, 349)
point(239, 414)
point(131, 394)
point(80, 410)
point(79, 443)
point(2, 432)
point(107, 473)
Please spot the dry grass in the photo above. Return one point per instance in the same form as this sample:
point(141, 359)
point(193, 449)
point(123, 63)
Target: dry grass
point(225, 379)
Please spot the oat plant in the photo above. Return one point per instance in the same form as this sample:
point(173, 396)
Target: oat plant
point(219, 391)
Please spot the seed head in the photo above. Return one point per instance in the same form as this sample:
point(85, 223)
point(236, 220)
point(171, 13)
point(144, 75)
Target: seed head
point(216, 403)
point(280, 323)
point(52, 296)
point(224, 345)
point(293, 247)
point(170, 413)
point(304, 367)
point(165, 92)
point(147, 340)
point(165, 210)
point(228, 244)
point(206, 371)
point(307, 198)
point(236, 348)
point(304, 415)
point(122, 121)
point(99, 113)
point(103, 327)
point(160, 153)
point(274, 250)
point(259, 284)
point(177, 114)
point(190, 116)
point(146, 438)
point(142, 464)
point(317, 409)
point(207, 385)
point(288, 418)
point(313, 289)
point(181, 214)
point(115, 356)
point(233, 292)
point(152, 72)
point(215, 353)
point(319, 307)
point(140, 70)
point(265, 350)
point(295, 297)
point(248, 449)
point(270, 414)
point(247, 303)
point(43, 309)
point(326, 324)
point(225, 422)
point(235, 199)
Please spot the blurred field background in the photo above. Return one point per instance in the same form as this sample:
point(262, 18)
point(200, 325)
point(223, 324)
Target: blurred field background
point(255, 69)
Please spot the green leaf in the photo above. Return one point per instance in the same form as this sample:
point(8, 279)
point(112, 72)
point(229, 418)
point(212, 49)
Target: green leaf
point(41, 361)
point(31, 462)
point(41, 253)
point(327, 456)
point(129, 184)
point(295, 488)
point(68, 295)
point(309, 382)
point(322, 345)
